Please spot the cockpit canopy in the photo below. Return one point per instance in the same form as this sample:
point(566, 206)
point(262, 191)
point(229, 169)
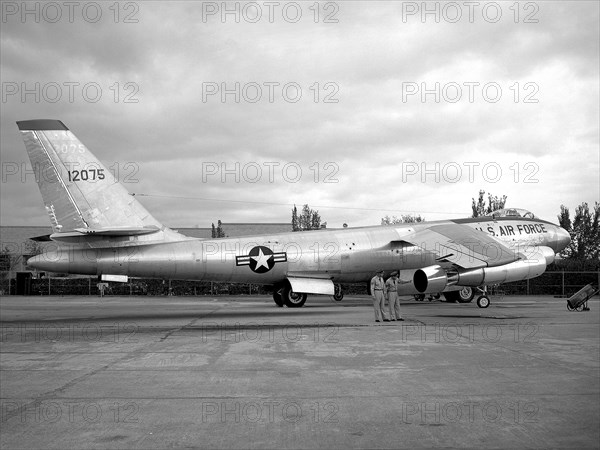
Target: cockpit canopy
point(514, 212)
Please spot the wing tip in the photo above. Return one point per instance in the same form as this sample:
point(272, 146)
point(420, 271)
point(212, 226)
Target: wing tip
point(41, 125)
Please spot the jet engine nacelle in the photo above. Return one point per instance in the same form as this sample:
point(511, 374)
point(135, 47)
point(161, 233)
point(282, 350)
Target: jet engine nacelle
point(434, 278)
point(533, 266)
point(428, 280)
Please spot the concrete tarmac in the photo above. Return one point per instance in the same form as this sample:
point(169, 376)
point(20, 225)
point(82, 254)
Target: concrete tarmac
point(238, 372)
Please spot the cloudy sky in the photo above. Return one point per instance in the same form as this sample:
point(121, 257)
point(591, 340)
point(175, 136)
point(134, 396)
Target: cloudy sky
point(361, 109)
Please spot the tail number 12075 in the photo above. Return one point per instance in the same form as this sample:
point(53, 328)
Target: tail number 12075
point(86, 175)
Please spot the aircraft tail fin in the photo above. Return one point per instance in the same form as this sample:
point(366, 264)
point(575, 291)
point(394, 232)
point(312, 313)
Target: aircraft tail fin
point(80, 194)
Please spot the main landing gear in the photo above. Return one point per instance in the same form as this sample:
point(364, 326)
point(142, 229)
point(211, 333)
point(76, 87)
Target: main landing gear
point(338, 294)
point(421, 297)
point(467, 294)
point(284, 295)
point(277, 297)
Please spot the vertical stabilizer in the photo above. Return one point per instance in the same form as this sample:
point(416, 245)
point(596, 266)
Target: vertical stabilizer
point(78, 191)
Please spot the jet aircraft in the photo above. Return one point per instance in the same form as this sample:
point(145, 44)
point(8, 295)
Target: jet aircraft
point(100, 229)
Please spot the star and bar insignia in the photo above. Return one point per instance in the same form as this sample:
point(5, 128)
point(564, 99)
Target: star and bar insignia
point(260, 259)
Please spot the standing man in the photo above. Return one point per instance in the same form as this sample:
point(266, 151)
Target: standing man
point(391, 286)
point(378, 294)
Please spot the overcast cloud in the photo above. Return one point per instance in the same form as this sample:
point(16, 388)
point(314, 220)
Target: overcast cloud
point(358, 143)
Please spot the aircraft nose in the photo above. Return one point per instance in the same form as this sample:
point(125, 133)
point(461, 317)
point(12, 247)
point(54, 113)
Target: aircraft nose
point(563, 239)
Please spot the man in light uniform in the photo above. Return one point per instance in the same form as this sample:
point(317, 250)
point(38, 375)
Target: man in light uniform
point(378, 294)
point(391, 287)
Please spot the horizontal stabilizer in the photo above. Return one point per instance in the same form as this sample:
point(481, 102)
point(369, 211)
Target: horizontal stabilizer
point(119, 231)
point(83, 233)
point(43, 238)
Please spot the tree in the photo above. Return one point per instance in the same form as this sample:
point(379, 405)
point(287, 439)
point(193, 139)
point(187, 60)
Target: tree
point(404, 218)
point(33, 248)
point(494, 204)
point(6, 260)
point(585, 233)
point(564, 220)
point(218, 231)
point(295, 223)
point(7, 263)
point(309, 219)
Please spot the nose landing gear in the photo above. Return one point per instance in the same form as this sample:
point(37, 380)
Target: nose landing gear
point(483, 301)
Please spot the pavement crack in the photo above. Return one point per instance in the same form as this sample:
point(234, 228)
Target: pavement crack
point(188, 325)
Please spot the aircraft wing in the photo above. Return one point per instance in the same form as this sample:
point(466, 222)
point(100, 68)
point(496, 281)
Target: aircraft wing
point(462, 245)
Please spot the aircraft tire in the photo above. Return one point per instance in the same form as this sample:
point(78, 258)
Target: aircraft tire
point(465, 295)
point(451, 297)
point(277, 298)
point(293, 299)
point(338, 294)
point(483, 301)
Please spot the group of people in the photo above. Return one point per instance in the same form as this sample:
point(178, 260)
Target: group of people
point(382, 290)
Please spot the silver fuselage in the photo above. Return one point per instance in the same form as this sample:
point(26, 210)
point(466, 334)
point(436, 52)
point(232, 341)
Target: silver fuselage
point(343, 255)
